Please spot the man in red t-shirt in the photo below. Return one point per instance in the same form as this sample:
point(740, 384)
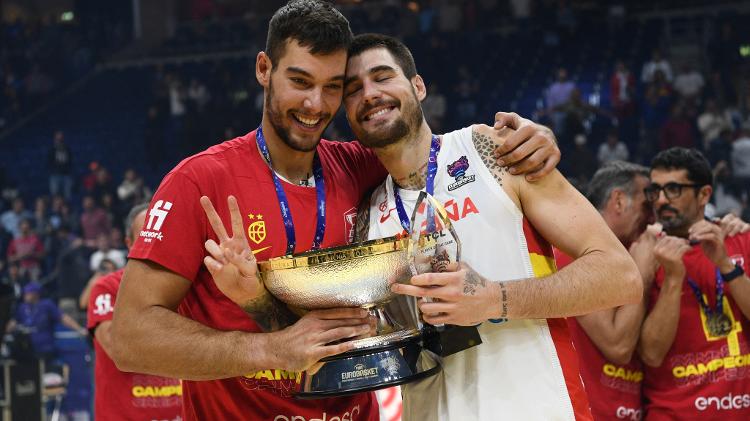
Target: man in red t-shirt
point(605, 340)
point(26, 250)
point(120, 395)
point(694, 340)
point(231, 368)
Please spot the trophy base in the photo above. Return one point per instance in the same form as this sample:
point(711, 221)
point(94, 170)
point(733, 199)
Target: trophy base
point(357, 372)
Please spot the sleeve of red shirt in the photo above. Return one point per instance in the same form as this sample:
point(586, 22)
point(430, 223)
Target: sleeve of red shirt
point(38, 246)
point(365, 166)
point(101, 303)
point(175, 227)
point(11, 249)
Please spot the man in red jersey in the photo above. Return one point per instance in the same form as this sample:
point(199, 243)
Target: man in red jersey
point(694, 340)
point(605, 340)
point(293, 192)
point(120, 395)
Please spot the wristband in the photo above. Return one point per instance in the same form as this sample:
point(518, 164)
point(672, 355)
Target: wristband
point(733, 274)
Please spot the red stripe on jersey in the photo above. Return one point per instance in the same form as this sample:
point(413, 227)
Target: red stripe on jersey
point(566, 354)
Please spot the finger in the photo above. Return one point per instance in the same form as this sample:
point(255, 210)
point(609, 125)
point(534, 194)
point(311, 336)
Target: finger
point(213, 219)
point(247, 266)
point(335, 349)
point(503, 119)
point(428, 307)
point(508, 149)
point(745, 228)
point(533, 162)
point(440, 319)
point(236, 218)
point(213, 266)
point(546, 168)
point(215, 251)
point(336, 323)
point(412, 290)
point(339, 313)
point(314, 369)
point(432, 279)
point(345, 332)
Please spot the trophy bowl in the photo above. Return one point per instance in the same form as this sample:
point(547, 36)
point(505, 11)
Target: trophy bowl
point(357, 275)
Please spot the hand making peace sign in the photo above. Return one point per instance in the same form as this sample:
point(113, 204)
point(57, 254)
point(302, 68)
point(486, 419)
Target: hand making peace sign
point(231, 262)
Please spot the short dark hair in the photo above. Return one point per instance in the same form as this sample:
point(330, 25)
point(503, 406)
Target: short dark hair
point(398, 50)
point(692, 160)
point(613, 175)
point(314, 24)
point(131, 217)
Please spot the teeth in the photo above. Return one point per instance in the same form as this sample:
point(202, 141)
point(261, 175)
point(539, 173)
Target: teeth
point(377, 114)
point(307, 121)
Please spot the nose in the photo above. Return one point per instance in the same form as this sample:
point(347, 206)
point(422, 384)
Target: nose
point(370, 90)
point(661, 199)
point(313, 102)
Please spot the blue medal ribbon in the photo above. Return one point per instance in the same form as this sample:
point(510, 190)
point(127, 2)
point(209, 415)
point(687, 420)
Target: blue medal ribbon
point(286, 213)
point(429, 183)
point(719, 296)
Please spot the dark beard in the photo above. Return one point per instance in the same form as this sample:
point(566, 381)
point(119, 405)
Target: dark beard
point(276, 119)
point(410, 120)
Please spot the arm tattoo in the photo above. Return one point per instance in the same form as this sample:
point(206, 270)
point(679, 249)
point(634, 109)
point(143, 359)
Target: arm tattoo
point(269, 313)
point(415, 180)
point(485, 147)
point(472, 281)
point(503, 301)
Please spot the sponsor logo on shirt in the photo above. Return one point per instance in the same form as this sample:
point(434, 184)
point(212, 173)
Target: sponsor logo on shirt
point(456, 210)
point(156, 217)
point(632, 414)
point(103, 303)
point(280, 382)
point(457, 170)
point(156, 391)
point(710, 366)
point(611, 370)
point(722, 403)
point(346, 416)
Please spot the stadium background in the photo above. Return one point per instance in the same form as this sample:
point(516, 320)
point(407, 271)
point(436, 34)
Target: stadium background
point(131, 87)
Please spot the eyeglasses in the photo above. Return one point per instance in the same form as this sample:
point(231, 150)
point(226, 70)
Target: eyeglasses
point(671, 190)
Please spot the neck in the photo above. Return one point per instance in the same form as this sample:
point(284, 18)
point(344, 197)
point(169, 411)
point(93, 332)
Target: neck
point(406, 159)
point(291, 164)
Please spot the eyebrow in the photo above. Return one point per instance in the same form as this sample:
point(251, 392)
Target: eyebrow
point(305, 73)
point(376, 69)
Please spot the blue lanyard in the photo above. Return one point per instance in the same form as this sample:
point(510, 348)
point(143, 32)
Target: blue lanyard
point(719, 295)
point(286, 213)
point(429, 184)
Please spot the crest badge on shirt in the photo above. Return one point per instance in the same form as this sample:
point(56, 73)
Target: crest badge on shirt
point(350, 221)
point(457, 170)
point(256, 231)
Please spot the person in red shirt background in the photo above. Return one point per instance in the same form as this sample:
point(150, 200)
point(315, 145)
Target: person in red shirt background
point(27, 250)
point(694, 339)
point(294, 192)
point(120, 395)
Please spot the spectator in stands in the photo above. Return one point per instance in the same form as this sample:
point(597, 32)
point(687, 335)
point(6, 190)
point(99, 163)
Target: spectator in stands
point(677, 130)
point(740, 160)
point(557, 95)
point(39, 317)
point(27, 250)
point(725, 198)
point(622, 91)
point(89, 180)
point(103, 184)
point(654, 112)
point(72, 266)
point(11, 218)
point(583, 164)
point(434, 107)
point(60, 165)
point(133, 190)
point(689, 83)
point(720, 150)
point(576, 111)
point(712, 122)
point(106, 252)
point(198, 95)
point(42, 223)
point(612, 149)
point(14, 278)
point(94, 221)
point(657, 63)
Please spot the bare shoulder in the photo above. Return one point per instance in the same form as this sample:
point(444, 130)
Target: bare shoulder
point(486, 139)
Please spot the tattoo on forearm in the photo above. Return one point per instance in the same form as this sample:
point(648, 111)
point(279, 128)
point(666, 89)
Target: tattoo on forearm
point(485, 147)
point(472, 281)
point(503, 301)
point(269, 313)
point(415, 180)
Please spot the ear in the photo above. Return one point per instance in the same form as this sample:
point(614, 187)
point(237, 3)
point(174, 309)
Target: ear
point(263, 68)
point(619, 200)
point(419, 88)
point(704, 195)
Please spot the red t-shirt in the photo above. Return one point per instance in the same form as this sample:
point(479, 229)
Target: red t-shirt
point(120, 395)
point(703, 377)
point(176, 229)
point(614, 390)
point(26, 245)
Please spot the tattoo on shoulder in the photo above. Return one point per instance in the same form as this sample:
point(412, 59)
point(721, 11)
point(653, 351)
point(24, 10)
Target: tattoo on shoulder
point(269, 313)
point(472, 281)
point(485, 147)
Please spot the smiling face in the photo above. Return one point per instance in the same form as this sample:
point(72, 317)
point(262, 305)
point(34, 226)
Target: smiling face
point(303, 93)
point(382, 105)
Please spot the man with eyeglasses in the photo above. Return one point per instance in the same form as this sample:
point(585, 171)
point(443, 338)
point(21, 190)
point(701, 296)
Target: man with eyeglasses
point(694, 340)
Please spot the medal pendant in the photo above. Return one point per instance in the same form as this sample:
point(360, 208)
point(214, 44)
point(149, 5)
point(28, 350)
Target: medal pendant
point(719, 325)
